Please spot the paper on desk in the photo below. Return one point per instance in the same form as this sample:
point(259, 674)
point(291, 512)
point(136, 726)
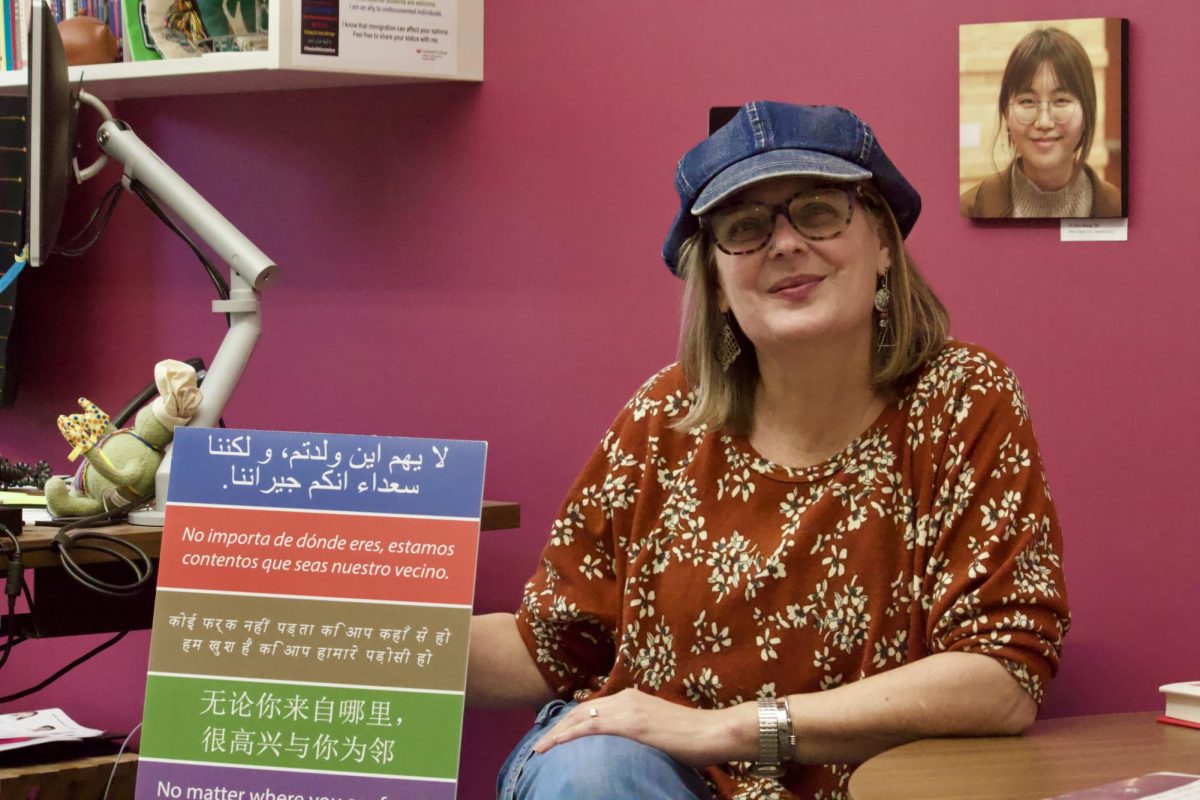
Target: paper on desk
point(25, 728)
point(33, 506)
point(1158, 785)
point(12, 498)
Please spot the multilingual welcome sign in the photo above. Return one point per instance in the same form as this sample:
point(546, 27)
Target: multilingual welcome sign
point(312, 617)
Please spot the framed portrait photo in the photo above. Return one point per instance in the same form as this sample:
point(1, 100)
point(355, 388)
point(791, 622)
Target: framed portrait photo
point(1042, 110)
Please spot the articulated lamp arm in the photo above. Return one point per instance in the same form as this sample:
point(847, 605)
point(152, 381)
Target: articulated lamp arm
point(250, 271)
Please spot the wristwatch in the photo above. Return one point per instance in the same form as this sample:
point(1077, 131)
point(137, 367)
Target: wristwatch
point(776, 739)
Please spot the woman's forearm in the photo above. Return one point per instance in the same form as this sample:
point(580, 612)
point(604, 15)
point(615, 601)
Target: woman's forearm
point(948, 694)
point(500, 671)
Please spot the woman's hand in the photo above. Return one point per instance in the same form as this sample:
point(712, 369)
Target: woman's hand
point(695, 737)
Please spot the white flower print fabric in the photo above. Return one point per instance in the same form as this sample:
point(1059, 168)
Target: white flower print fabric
point(688, 566)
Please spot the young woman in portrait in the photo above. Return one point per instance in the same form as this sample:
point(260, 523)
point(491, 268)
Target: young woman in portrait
point(1047, 108)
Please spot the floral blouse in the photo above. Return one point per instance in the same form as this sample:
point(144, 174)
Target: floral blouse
point(688, 566)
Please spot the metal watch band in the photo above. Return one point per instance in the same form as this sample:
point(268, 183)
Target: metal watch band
point(768, 764)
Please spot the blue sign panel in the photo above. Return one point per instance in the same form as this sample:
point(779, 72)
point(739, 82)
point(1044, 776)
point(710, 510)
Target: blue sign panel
point(328, 472)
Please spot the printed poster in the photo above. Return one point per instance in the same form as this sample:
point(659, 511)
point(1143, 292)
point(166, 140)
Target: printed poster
point(413, 36)
point(312, 617)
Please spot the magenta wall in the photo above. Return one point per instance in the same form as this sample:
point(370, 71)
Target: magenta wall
point(482, 261)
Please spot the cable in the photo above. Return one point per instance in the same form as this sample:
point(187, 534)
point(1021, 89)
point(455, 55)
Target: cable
point(32, 615)
point(19, 262)
point(65, 544)
point(18, 639)
point(12, 631)
point(117, 761)
point(217, 278)
point(107, 205)
point(93, 652)
point(13, 582)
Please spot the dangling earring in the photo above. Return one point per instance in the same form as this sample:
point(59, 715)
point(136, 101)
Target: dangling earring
point(728, 348)
point(883, 297)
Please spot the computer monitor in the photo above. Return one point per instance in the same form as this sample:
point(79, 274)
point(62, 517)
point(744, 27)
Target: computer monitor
point(51, 145)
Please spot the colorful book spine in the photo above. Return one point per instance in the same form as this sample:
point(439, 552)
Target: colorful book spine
point(20, 46)
point(111, 16)
point(5, 39)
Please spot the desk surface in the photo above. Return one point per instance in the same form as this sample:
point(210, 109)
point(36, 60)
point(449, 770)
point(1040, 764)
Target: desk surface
point(36, 539)
point(76, 778)
point(1055, 756)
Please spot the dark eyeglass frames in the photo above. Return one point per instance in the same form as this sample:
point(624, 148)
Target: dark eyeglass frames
point(816, 213)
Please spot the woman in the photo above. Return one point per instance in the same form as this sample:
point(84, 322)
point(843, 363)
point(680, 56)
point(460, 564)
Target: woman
point(1047, 109)
point(825, 533)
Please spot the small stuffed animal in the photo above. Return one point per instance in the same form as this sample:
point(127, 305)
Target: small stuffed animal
point(119, 465)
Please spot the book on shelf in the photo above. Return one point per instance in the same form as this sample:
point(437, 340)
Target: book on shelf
point(16, 23)
point(5, 38)
point(1183, 704)
point(17, 43)
point(138, 42)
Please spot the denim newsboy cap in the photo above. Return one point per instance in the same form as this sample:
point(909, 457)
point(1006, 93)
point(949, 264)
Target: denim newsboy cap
point(770, 140)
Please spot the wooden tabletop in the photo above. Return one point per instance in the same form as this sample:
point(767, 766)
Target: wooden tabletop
point(75, 778)
point(36, 539)
point(1055, 756)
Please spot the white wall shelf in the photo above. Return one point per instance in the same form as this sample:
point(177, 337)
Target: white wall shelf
point(281, 66)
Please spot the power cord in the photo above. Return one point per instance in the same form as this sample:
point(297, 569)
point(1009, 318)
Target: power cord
point(218, 280)
point(67, 545)
point(94, 651)
point(18, 639)
point(93, 230)
point(13, 583)
point(117, 761)
point(13, 586)
point(74, 246)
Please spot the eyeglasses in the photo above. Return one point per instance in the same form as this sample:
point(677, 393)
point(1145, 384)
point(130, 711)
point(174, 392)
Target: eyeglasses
point(816, 213)
point(1025, 109)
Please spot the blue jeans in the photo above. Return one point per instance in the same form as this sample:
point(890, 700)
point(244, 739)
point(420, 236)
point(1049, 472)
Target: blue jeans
point(598, 766)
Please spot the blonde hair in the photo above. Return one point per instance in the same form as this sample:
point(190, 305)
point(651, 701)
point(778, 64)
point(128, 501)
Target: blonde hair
point(917, 329)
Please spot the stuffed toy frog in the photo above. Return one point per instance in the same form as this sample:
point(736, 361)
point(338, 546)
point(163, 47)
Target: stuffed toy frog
point(119, 465)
